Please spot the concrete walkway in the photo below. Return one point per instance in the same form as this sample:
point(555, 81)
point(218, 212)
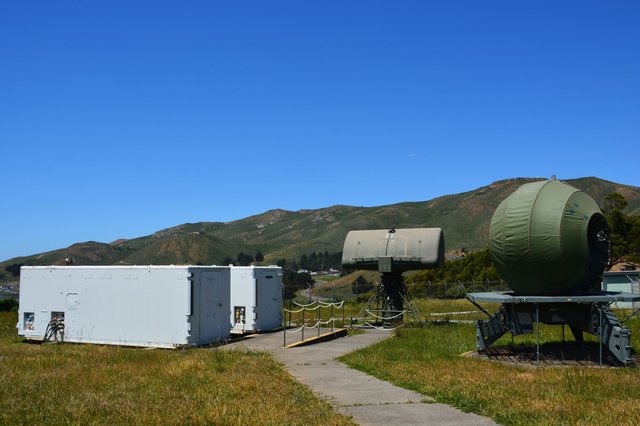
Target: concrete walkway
point(369, 400)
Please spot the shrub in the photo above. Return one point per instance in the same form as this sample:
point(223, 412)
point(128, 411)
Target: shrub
point(9, 304)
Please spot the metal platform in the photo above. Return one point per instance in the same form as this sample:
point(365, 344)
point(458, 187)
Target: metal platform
point(590, 313)
point(510, 297)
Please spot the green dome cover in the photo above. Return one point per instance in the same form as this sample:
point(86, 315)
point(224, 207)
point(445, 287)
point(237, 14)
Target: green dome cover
point(549, 238)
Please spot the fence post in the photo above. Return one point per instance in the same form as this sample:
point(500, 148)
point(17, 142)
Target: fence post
point(318, 318)
point(332, 321)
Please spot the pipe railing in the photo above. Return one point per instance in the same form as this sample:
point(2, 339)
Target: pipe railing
point(316, 322)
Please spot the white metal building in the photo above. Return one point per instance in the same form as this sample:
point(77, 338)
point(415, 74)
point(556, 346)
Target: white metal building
point(626, 281)
point(256, 298)
point(156, 306)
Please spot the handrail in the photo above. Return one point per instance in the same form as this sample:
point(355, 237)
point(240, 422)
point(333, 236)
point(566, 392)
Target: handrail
point(316, 306)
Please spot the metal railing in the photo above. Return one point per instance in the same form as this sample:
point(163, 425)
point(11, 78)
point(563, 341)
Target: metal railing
point(298, 316)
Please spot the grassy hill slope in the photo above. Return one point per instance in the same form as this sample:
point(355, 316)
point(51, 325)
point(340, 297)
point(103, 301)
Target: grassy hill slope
point(464, 217)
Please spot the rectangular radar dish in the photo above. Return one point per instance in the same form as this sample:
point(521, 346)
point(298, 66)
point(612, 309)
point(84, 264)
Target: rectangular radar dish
point(394, 250)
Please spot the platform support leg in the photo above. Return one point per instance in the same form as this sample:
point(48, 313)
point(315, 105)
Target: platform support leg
point(537, 334)
point(577, 334)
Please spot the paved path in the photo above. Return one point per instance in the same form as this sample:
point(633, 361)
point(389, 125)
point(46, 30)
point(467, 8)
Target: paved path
point(369, 400)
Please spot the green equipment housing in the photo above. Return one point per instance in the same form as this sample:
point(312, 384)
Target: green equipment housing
point(548, 238)
point(550, 243)
point(392, 252)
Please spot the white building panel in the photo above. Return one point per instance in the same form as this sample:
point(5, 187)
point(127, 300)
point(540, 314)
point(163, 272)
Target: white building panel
point(624, 281)
point(156, 306)
point(256, 298)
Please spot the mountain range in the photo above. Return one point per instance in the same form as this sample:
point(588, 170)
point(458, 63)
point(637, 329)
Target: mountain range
point(464, 217)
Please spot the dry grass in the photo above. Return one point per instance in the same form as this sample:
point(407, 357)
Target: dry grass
point(88, 384)
point(428, 360)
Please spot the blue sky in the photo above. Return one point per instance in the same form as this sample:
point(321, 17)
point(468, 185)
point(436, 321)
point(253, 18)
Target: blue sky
point(118, 119)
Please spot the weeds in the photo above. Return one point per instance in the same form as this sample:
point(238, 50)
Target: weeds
point(84, 384)
point(8, 304)
point(427, 359)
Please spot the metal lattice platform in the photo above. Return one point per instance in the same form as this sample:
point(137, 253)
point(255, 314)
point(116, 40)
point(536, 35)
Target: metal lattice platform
point(509, 297)
point(590, 313)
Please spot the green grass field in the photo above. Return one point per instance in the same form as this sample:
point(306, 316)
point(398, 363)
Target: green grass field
point(89, 384)
point(428, 359)
point(81, 384)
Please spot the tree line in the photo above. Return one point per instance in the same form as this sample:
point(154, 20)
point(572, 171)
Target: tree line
point(624, 231)
point(243, 259)
point(297, 272)
point(314, 262)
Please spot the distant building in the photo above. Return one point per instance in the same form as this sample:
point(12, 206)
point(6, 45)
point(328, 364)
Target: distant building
point(626, 281)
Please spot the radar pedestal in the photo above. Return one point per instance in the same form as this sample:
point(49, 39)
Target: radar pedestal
point(550, 243)
point(394, 289)
point(392, 252)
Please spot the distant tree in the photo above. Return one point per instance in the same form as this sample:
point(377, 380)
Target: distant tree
point(334, 260)
point(614, 202)
point(624, 230)
point(259, 256)
point(293, 265)
point(320, 261)
point(14, 269)
point(325, 261)
point(294, 282)
point(244, 259)
point(7, 305)
point(227, 261)
point(304, 262)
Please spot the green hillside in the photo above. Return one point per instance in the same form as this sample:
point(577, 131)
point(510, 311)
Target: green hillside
point(280, 234)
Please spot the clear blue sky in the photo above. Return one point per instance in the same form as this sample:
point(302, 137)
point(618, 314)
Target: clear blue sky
point(120, 118)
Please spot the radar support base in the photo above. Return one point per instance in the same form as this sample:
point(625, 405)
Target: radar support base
point(393, 302)
point(590, 314)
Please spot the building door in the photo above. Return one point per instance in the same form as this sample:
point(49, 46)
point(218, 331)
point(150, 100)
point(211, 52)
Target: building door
point(269, 300)
point(210, 306)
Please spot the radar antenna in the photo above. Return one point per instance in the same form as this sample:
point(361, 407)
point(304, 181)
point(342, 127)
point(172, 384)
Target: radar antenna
point(392, 252)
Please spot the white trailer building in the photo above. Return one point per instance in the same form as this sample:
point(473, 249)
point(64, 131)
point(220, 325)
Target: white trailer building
point(625, 281)
point(256, 298)
point(155, 306)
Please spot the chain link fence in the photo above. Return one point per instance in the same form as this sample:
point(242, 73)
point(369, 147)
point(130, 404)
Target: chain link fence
point(453, 290)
